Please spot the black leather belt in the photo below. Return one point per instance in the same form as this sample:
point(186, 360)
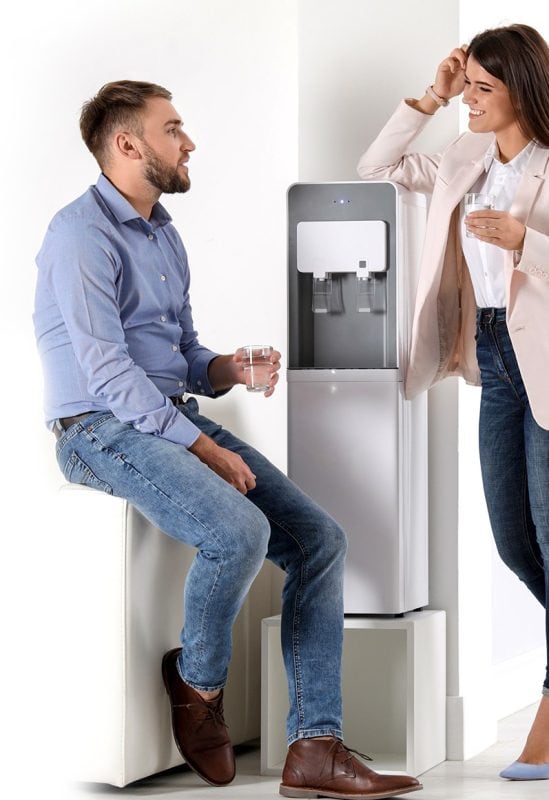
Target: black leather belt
point(177, 400)
point(62, 424)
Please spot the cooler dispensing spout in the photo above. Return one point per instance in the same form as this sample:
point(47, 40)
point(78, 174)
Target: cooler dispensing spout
point(322, 293)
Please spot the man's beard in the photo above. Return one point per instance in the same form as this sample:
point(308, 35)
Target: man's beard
point(163, 177)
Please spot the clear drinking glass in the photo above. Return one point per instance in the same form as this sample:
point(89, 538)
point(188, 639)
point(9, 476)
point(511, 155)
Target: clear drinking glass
point(476, 201)
point(256, 360)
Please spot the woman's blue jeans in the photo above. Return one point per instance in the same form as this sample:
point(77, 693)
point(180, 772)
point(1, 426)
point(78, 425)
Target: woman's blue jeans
point(514, 456)
point(233, 534)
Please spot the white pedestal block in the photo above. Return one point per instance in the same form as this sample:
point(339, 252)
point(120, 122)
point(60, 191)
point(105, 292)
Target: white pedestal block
point(123, 582)
point(394, 691)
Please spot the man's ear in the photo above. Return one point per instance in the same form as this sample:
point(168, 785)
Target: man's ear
point(127, 146)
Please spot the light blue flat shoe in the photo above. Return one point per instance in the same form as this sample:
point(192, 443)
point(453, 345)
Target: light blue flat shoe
point(519, 771)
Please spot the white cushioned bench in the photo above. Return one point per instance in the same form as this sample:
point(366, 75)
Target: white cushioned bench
point(124, 595)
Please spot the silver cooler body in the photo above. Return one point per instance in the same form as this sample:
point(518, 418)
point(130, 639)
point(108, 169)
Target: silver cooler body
point(356, 445)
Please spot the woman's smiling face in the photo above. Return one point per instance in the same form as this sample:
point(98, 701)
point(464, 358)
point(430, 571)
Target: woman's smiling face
point(490, 107)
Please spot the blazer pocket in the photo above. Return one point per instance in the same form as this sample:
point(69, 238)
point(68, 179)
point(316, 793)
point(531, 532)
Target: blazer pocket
point(77, 471)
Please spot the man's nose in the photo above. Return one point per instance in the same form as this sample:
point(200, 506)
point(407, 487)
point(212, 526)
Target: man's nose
point(187, 143)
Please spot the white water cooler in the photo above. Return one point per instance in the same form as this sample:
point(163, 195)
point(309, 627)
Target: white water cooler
point(356, 445)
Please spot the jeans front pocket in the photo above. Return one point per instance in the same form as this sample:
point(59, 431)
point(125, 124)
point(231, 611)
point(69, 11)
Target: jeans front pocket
point(77, 471)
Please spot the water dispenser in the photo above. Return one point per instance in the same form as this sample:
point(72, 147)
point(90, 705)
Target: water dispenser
point(356, 445)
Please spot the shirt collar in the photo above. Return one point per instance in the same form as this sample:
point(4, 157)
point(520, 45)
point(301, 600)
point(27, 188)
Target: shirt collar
point(123, 210)
point(517, 164)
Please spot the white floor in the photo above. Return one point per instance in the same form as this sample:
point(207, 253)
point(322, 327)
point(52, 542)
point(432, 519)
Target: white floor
point(476, 779)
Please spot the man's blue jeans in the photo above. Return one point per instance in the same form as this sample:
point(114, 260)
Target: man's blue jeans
point(514, 455)
point(233, 534)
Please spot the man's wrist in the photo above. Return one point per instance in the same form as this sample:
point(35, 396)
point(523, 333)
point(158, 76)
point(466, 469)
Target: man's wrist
point(222, 373)
point(201, 446)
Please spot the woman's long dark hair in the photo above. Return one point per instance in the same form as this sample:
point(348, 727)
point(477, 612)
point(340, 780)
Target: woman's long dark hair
point(518, 56)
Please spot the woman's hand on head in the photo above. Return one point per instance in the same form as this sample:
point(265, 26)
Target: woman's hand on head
point(450, 77)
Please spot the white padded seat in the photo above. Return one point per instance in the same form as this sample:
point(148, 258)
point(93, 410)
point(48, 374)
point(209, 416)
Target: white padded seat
point(124, 595)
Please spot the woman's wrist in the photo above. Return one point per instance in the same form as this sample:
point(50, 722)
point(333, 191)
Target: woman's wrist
point(426, 104)
point(437, 97)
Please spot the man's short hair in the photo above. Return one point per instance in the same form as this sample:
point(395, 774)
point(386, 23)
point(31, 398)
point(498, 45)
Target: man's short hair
point(116, 105)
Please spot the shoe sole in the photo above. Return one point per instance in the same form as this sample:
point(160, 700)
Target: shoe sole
point(289, 791)
point(188, 761)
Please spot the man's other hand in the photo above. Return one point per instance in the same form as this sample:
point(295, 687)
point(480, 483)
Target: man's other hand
point(228, 465)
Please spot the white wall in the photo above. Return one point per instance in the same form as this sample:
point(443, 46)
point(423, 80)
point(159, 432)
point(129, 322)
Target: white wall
point(231, 67)
point(355, 64)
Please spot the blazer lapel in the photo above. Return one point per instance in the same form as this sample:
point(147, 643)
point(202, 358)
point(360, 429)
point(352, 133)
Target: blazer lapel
point(460, 176)
point(530, 184)
point(465, 177)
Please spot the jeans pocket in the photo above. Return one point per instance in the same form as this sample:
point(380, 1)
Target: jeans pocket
point(77, 471)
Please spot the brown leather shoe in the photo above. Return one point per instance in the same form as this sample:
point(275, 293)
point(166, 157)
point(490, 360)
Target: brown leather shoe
point(326, 768)
point(198, 727)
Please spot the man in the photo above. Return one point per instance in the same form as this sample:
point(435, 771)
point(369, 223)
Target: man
point(115, 333)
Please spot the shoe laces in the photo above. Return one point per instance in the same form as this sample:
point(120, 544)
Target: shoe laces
point(214, 714)
point(208, 713)
point(349, 751)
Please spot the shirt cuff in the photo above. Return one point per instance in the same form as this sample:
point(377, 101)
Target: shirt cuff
point(197, 378)
point(182, 431)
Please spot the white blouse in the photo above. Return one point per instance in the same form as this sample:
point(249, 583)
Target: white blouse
point(485, 261)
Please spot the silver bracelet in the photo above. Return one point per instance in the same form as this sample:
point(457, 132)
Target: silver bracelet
point(440, 101)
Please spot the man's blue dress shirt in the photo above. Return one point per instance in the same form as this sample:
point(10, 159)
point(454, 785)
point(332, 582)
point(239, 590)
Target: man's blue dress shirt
point(112, 316)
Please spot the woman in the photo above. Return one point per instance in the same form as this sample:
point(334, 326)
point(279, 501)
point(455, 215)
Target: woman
point(482, 306)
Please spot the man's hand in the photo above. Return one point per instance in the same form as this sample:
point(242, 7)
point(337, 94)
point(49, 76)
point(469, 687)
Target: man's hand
point(496, 227)
point(228, 465)
point(227, 371)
